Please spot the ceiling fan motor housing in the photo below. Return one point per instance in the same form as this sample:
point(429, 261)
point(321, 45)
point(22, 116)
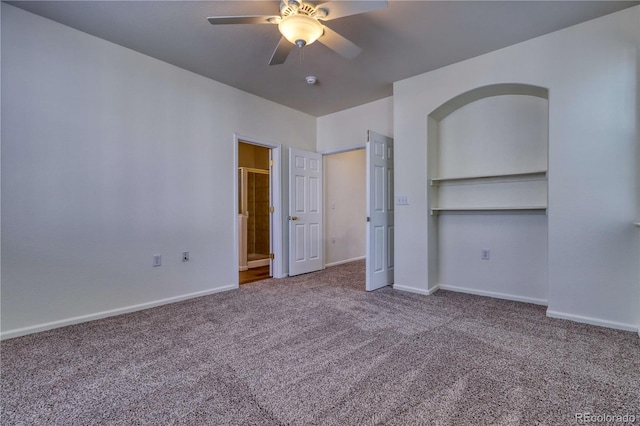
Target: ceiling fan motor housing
point(292, 7)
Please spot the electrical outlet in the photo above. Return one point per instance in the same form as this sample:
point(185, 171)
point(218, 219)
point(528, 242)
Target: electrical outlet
point(486, 254)
point(185, 256)
point(157, 260)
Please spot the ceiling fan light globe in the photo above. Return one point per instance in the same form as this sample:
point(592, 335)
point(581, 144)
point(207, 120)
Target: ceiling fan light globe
point(300, 29)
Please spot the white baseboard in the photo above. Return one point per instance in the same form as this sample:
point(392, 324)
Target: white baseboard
point(110, 313)
point(409, 289)
point(497, 295)
point(593, 321)
point(342, 262)
point(258, 263)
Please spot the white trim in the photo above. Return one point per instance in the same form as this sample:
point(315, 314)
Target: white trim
point(409, 289)
point(341, 150)
point(592, 321)
point(494, 294)
point(113, 312)
point(341, 262)
point(257, 263)
point(276, 201)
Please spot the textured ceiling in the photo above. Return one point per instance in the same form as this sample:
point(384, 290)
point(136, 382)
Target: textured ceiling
point(405, 39)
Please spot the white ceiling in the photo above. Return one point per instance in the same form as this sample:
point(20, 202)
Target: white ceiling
point(405, 39)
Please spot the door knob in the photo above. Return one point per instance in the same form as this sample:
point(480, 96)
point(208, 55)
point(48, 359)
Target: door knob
point(293, 217)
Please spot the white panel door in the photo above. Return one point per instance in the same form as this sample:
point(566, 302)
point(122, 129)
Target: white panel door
point(305, 212)
point(379, 263)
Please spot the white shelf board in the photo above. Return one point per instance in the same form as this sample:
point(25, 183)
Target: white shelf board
point(503, 175)
point(437, 210)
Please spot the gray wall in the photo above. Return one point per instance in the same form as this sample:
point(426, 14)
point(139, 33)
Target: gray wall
point(110, 157)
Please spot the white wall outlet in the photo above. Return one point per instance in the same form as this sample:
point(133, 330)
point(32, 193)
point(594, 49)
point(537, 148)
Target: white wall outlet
point(185, 256)
point(486, 254)
point(157, 260)
point(402, 200)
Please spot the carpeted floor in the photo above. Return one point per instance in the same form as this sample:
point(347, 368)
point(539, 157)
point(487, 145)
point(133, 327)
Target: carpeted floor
point(318, 349)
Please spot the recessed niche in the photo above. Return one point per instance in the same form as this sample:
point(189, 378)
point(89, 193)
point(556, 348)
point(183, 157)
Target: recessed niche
point(489, 148)
point(487, 189)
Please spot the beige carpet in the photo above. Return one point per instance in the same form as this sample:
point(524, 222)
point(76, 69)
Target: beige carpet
point(318, 349)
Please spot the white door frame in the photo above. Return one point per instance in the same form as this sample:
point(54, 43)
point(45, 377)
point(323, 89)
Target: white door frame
point(275, 197)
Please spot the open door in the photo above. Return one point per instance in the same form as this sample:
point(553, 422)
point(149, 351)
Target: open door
point(379, 263)
point(256, 206)
point(306, 250)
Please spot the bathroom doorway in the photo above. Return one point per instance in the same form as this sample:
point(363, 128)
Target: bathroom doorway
point(254, 212)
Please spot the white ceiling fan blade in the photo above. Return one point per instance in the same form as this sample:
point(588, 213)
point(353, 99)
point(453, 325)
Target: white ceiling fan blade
point(249, 19)
point(339, 44)
point(282, 51)
point(339, 9)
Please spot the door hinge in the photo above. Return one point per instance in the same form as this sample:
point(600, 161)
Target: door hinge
point(368, 135)
point(368, 219)
point(270, 163)
point(272, 256)
point(272, 209)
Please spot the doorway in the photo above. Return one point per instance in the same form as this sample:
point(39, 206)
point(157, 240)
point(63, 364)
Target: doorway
point(359, 208)
point(254, 212)
point(345, 179)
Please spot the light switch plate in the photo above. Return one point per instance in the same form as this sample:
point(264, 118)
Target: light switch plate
point(402, 200)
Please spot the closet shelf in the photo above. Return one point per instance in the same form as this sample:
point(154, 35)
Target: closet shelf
point(438, 210)
point(436, 181)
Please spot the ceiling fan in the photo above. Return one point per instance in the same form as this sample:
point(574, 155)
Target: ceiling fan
point(299, 23)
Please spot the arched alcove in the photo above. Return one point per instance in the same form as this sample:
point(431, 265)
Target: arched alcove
point(487, 191)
